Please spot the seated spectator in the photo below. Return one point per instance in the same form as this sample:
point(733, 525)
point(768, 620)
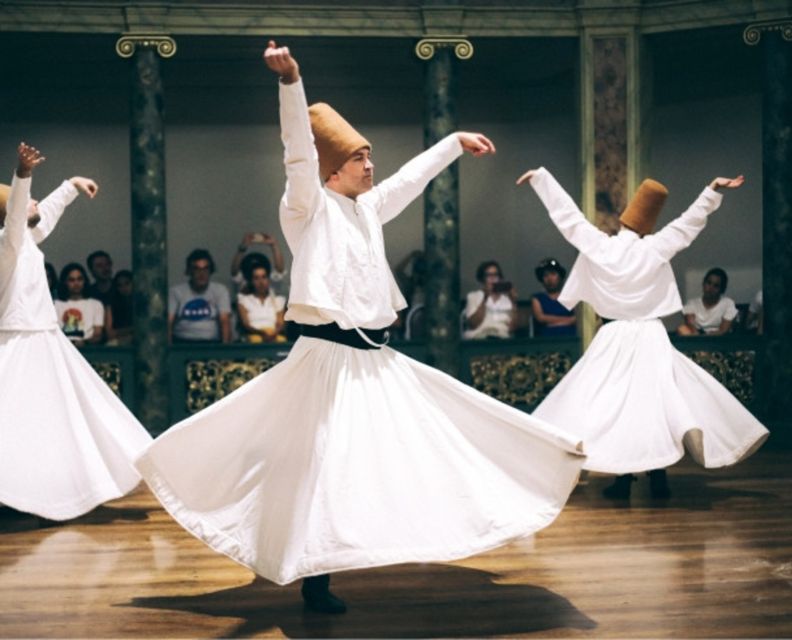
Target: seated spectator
point(119, 314)
point(260, 311)
point(713, 313)
point(490, 312)
point(81, 318)
point(52, 279)
point(551, 318)
point(410, 274)
point(199, 310)
point(755, 321)
point(101, 267)
point(276, 274)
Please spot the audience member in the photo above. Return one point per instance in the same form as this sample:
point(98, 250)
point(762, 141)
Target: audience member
point(52, 279)
point(81, 318)
point(199, 310)
point(551, 318)
point(491, 311)
point(276, 270)
point(119, 314)
point(713, 313)
point(260, 311)
point(101, 267)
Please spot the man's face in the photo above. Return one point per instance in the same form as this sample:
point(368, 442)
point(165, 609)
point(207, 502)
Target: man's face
point(32, 214)
point(356, 176)
point(551, 280)
point(199, 274)
point(101, 268)
point(711, 288)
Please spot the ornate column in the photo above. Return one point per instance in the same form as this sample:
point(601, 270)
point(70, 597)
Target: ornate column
point(610, 114)
point(775, 379)
point(149, 224)
point(441, 203)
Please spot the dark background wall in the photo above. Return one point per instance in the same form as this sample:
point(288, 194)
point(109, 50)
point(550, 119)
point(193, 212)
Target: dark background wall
point(68, 94)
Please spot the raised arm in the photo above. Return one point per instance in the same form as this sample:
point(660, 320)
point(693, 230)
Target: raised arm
point(564, 213)
point(679, 233)
point(408, 183)
point(303, 185)
point(15, 218)
point(52, 207)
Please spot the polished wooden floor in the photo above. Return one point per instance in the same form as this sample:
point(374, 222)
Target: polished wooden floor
point(715, 561)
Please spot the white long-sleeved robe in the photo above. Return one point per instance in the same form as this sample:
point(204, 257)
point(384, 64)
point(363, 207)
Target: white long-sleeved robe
point(66, 441)
point(342, 458)
point(635, 400)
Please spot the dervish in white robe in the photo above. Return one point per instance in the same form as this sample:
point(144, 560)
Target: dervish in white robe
point(637, 402)
point(67, 442)
point(341, 457)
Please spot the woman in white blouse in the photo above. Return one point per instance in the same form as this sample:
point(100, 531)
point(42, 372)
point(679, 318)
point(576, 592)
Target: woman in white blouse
point(260, 311)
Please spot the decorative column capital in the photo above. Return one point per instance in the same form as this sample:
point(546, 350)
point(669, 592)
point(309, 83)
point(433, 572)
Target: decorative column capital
point(129, 42)
point(463, 48)
point(753, 32)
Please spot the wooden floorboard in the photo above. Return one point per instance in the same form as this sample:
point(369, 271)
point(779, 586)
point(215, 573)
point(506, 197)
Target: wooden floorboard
point(715, 561)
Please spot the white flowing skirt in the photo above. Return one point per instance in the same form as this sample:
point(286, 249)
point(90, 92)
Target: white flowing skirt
point(637, 403)
point(66, 441)
point(340, 458)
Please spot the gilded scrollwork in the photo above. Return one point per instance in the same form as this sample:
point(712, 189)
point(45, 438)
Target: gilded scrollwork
point(110, 372)
point(733, 369)
point(519, 379)
point(210, 380)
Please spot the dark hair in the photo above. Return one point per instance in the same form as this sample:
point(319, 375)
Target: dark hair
point(199, 254)
point(63, 291)
point(49, 269)
point(96, 254)
point(486, 265)
point(250, 263)
point(549, 264)
point(724, 279)
point(124, 273)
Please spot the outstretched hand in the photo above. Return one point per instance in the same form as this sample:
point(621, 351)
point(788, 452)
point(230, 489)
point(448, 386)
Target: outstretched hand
point(526, 177)
point(476, 143)
point(727, 183)
point(86, 185)
point(28, 158)
point(281, 62)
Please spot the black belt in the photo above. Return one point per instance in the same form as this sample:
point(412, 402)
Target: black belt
point(349, 337)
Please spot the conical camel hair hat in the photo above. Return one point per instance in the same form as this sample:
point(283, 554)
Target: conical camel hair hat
point(642, 211)
point(336, 140)
point(5, 191)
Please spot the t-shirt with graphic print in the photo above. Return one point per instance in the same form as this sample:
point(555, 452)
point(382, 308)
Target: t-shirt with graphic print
point(197, 315)
point(77, 318)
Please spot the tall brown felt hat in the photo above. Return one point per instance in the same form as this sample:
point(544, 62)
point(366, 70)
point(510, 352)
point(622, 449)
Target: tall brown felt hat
point(5, 191)
point(336, 139)
point(642, 211)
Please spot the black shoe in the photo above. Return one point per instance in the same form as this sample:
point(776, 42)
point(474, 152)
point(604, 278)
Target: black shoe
point(620, 489)
point(316, 594)
point(658, 484)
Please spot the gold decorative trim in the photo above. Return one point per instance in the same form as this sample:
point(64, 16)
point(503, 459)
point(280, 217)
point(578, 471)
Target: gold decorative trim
point(734, 370)
point(753, 32)
point(129, 42)
point(210, 380)
point(519, 379)
point(463, 48)
point(110, 372)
